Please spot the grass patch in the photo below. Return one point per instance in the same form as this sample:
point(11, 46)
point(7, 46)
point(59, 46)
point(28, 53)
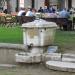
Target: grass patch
point(15, 35)
point(10, 35)
point(65, 37)
point(65, 40)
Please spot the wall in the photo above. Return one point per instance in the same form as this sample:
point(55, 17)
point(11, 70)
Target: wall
point(7, 56)
point(8, 51)
point(39, 3)
point(27, 3)
point(73, 3)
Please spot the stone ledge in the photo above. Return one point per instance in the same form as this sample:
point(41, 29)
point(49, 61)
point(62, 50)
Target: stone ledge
point(13, 46)
point(8, 65)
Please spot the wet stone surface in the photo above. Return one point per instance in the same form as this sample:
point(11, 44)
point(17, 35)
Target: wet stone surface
point(32, 69)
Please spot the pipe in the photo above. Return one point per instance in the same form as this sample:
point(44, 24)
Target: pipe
point(30, 46)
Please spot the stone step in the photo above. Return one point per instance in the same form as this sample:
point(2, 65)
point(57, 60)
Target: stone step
point(61, 66)
point(68, 55)
point(68, 59)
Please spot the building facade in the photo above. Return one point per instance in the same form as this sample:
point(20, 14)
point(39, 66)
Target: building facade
point(59, 4)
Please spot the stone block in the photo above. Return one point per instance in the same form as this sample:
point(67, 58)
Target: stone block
point(66, 59)
point(51, 56)
point(61, 66)
point(28, 58)
point(36, 58)
point(23, 58)
point(69, 55)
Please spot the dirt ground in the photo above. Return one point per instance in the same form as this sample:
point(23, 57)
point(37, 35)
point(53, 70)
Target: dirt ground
point(31, 69)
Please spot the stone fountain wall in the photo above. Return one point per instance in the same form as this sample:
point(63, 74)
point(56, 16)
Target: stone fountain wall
point(8, 51)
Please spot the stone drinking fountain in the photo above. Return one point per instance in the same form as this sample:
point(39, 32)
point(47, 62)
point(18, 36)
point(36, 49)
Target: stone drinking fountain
point(37, 36)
